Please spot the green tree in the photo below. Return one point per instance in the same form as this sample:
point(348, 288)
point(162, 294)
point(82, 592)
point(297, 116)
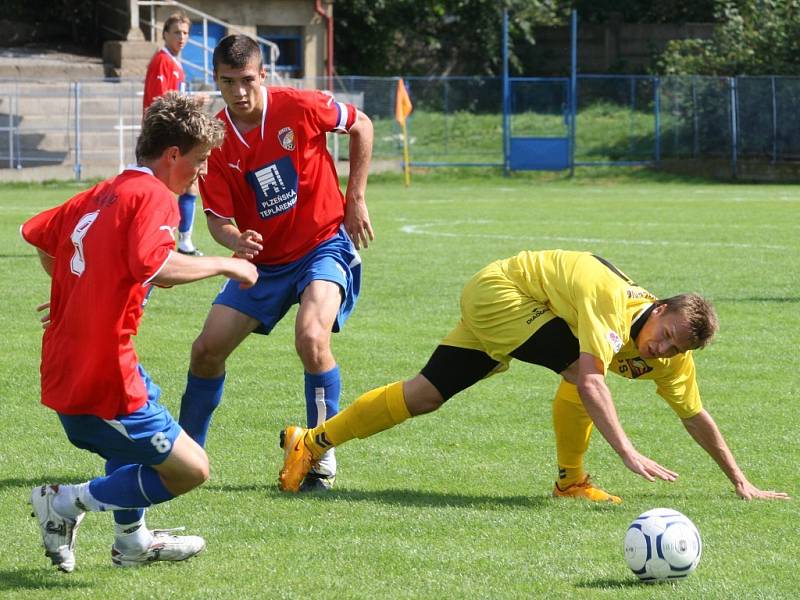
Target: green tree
point(754, 37)
point(434, 37)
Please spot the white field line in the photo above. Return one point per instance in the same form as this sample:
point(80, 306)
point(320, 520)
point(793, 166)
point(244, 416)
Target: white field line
point(425, 229)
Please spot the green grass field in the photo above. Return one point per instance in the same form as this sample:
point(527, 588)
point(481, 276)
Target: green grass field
point(455, 504)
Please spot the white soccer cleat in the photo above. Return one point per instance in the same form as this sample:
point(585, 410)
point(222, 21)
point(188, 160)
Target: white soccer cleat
point(165, 547)
point(322, 475)
point(58, 533)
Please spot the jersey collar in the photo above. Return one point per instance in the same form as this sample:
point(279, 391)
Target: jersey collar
point(640, 320)
point(146, 170)
point(166, 51)
point(264, 100)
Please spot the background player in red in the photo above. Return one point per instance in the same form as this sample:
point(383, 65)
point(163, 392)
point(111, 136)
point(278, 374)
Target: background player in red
point(272, 196)
point(164, 74)
point(104, 249)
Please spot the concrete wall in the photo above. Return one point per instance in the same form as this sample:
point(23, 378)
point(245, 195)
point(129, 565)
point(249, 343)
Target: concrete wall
point(249, 14)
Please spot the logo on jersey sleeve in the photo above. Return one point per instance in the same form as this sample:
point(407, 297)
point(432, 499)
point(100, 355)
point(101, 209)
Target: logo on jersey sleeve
point(286, 138)
point(614, 339)
point(275, 186)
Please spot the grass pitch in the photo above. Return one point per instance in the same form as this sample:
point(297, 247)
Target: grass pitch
point(455, 504)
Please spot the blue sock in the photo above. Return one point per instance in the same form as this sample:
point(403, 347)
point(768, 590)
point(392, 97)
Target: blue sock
point(123, 517)
point(186, 207)
point(322, 396)
point(201, 398)
point(130, 486)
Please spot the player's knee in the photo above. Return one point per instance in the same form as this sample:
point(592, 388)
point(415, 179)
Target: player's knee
point(198, 472)
point(313, 347)
point(205, 357)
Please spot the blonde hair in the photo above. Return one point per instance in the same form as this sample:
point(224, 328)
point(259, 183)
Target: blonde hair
point(177, 120)
point(176, 17)
point(699, 314)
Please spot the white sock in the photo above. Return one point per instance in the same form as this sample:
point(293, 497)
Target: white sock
point(132, 538)
point(185, 241)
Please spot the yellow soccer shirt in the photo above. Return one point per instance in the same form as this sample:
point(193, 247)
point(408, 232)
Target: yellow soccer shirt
point(599, 303)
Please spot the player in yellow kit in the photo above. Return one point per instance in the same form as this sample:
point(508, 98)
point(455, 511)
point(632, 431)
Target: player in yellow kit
point(578, 315)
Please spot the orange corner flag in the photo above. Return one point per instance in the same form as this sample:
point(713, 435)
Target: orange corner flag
point(402, 103)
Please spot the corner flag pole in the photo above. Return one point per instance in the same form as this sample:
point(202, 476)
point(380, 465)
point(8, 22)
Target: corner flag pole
point(403, 108)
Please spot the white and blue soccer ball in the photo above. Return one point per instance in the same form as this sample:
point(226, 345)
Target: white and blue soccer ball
point(662, 545)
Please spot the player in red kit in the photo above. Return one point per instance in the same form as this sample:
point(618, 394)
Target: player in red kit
point(104, 249)
point(164, 74)
point(272, 196)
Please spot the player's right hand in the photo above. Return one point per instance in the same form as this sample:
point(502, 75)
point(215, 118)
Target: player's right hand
point(248, 245)
point(647, 468)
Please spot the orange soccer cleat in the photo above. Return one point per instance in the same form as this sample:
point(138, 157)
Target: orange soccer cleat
point(585, 489)
point(297, 459)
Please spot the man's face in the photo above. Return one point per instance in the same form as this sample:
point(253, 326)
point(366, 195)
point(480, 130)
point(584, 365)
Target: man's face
point(664, 335)
point(241, 88)
point(176, 36)
point(186, 167)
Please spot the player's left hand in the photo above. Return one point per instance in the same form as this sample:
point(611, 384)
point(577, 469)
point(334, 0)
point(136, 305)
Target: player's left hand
point(45, 318)
point(357, 223)
point(747, 491)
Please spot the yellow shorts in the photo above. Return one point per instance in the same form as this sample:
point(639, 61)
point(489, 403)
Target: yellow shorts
point(496, 317)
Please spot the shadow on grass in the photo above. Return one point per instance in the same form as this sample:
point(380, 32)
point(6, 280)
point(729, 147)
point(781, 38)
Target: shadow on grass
point(31, 482)
point(609, 584)
point(38, 579)
point(403, 497)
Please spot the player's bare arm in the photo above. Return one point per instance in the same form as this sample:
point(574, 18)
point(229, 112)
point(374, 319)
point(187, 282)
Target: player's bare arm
point(185, 269)
point(597, 400)
point(706, 433)
point(244, 244)
point(356, 215)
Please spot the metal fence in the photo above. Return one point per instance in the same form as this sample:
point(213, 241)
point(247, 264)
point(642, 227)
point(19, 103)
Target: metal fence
point(92, 126)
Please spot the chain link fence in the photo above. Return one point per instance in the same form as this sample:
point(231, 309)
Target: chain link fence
point(91, 127)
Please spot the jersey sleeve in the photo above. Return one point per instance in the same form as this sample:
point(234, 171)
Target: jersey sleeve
point(150, 237)
point(215, 191)
point(330, 115)
point(599, 324)
point(678, 386)
point(42, 230)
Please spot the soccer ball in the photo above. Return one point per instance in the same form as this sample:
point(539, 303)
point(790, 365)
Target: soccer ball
point(662, 545)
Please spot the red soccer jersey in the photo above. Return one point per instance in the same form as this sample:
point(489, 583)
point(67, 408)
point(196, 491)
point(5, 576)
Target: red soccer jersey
point(164, 73)
point(279, 179)
point(107, 243)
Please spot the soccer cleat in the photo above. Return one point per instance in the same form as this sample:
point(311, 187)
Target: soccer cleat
point(322, 475)
point(164, 547)
point(585, 489)
point(297, 459)
point(58, 533)
point(192, 252)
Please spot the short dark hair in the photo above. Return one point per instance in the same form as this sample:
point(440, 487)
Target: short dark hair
point(236, 51)
point(699, 314)
point(177, 120)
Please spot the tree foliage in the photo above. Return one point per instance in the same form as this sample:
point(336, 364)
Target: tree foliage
point(754, 37)
point(434, 37)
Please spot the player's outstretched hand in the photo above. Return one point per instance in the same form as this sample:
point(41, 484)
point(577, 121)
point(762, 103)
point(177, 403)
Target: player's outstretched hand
point(45, 318)
point(242, 271)
point(357, 223)
point(248, 244)
point(747, 491)
point(648, 468)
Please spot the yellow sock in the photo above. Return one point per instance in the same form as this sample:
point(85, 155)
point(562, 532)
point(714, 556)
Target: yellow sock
point(378, 409)
point(573, 427)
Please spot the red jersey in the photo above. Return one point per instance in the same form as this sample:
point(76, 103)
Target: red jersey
point(164, 73)
point(107, 243)
point(279, 179)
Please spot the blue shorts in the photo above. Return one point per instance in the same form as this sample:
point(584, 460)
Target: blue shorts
point(279, 287)
point(144, 437)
